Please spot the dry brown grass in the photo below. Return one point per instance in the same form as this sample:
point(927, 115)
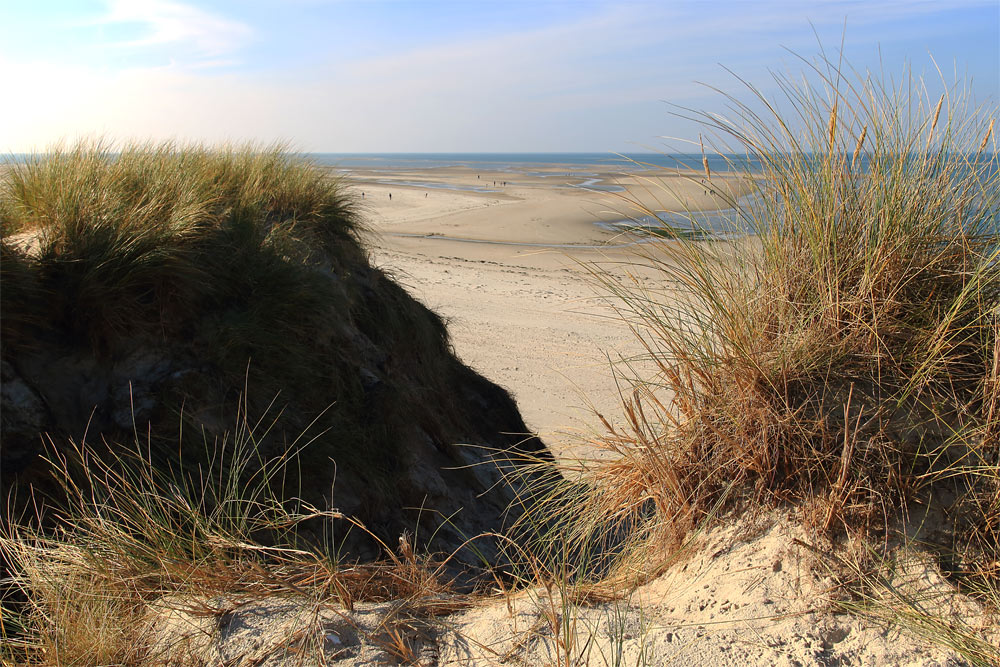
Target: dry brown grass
point(836, 351)
point(129, 535)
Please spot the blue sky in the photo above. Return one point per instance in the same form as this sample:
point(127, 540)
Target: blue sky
point(381, 76)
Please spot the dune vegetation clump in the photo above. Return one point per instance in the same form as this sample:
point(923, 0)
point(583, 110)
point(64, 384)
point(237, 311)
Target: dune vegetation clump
point(199, 364)
point(192, 273)
point(840, 349)
point(135, 239)
point(164, 294)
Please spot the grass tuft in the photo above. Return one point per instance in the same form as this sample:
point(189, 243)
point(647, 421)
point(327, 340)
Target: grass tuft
point(129, 538)
point(838, 348)
point(129, 239)
point(230, 267)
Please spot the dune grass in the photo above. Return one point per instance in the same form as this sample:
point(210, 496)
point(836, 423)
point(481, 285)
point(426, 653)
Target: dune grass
point(128, 535)
point(103, 245)
point(132, 238)
point(838, 350)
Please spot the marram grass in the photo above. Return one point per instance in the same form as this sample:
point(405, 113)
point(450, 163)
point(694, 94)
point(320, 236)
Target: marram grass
point(129, 239)
point(839, 350)
point(128, 538)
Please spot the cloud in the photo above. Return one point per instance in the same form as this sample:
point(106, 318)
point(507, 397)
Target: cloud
point(165, 23)
point(593, 83)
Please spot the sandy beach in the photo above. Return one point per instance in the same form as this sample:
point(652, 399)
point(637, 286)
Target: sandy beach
point(549, 205)
point(505, 266)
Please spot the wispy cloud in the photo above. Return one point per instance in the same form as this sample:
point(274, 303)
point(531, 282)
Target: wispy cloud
point(180, 26)
point(593, 80)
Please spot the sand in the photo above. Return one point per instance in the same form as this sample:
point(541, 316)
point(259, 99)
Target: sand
point(548, 205)
point(746, 594)
point(507, 269)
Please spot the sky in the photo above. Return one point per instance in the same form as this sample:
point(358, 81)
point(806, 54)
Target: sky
point(353, 76)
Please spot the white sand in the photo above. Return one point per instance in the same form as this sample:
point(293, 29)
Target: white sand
point(553, 208)
point(746, 595)
point(528, 317)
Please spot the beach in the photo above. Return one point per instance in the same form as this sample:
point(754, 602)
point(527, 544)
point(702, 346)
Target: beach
point(473, 334)
point(542, 204)
point(512, 259)
point(506, 266)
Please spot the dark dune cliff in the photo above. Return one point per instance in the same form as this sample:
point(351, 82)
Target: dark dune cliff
point(184, 299)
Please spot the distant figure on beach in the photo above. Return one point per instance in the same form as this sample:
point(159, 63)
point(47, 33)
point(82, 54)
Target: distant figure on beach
point(390, 196)
point(425, 195)
point(362, 195)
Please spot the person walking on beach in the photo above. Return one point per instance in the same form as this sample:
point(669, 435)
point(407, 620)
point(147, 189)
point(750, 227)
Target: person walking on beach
point(390, 196)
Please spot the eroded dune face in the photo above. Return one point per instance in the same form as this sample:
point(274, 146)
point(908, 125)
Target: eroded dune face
point(258, 321)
